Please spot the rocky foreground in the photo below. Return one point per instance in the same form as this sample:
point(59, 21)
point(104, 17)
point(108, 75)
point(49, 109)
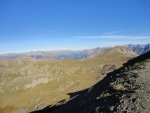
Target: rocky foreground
point(125, 90)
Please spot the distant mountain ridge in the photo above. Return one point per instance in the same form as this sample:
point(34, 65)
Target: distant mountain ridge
point(60, 54)
point(73, 54)
point(139, 48)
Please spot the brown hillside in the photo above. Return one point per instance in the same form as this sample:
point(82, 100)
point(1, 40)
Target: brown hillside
point(28, 84)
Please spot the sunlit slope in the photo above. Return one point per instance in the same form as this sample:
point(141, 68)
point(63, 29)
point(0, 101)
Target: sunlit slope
point(28, 84)
point(117, 55)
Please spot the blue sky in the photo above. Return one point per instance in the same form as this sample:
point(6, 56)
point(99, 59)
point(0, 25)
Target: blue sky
point(30, 25)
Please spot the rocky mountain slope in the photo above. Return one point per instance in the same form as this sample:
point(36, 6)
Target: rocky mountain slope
point(125, 90)
point(29, 84)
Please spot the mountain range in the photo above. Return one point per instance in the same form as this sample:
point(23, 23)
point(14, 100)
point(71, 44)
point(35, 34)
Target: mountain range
point(31, 81)
point(60, 54)
point(29, 84)
point(70, 54)
point(140, 49)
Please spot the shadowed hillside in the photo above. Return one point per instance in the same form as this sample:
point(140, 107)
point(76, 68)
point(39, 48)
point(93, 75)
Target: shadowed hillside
point(125, 90)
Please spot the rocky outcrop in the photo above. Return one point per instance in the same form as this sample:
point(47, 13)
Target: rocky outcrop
point(107, 68)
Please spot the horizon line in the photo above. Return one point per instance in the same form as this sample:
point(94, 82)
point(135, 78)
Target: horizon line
point(56, 50)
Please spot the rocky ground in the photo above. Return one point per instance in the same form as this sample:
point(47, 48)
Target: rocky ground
point(137, 81)
point(125, 90)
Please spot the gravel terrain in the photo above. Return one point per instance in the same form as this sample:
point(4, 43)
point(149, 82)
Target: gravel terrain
point(137, 81)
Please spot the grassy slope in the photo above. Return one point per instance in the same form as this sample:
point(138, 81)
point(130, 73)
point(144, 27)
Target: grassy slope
point(43, 94)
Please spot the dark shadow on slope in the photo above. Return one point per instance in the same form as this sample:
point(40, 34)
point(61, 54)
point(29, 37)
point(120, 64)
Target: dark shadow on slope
point(100, 98)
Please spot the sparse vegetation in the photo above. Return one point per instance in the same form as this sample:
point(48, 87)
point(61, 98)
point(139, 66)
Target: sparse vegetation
point(147, 60)
point(118, 87)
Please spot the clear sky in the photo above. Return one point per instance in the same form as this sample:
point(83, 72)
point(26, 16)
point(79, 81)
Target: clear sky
point(30, 25)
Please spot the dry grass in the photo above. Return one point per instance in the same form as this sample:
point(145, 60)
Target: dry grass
point(118, 87)
point(52, 92)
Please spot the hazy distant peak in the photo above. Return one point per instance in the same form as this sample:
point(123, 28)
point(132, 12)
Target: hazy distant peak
point(140, 48)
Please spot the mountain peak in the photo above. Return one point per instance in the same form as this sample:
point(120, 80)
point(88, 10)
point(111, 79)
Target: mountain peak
point(140, 48)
